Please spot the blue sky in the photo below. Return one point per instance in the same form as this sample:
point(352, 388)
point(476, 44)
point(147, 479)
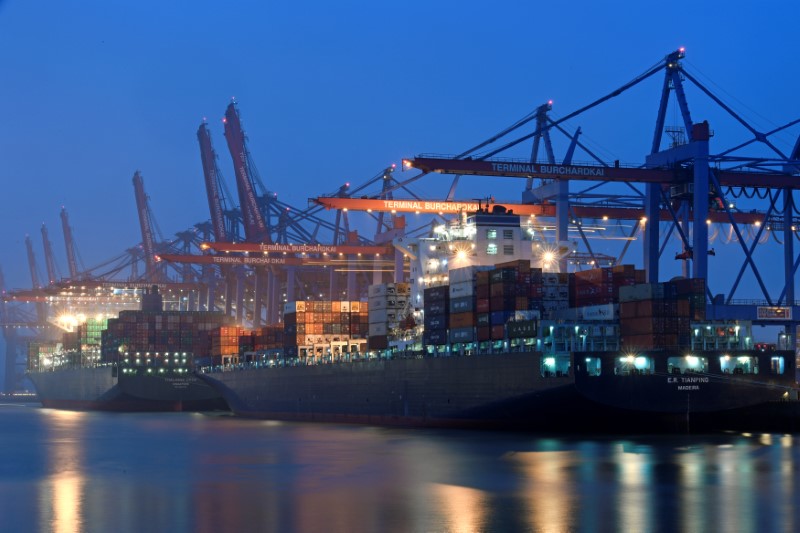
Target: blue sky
point(92, 91)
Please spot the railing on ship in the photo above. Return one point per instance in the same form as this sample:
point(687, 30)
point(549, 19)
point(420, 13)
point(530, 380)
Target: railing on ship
point(360, 357)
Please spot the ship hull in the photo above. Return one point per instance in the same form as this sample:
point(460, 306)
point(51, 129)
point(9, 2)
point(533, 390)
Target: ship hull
point(500, 391)
point(709, 400)
point(99, 389)
point(487, 391)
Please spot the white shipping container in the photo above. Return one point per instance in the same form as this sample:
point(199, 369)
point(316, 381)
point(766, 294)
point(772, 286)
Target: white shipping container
point(554, 292)
point(461, 289)
point(378, 302)
point(381, 289)
point(387, 302)
point(376, 330)
point(345, 306)
point(549, 278)
point(464, 274)
point(382, 316)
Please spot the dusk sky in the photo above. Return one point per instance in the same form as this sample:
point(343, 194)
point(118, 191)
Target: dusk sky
point(94, 90)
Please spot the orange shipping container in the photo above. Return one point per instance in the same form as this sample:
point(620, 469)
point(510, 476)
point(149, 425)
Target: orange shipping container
point(462, 320)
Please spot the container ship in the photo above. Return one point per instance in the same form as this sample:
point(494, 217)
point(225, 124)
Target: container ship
point(141, 361)
point(474, 342)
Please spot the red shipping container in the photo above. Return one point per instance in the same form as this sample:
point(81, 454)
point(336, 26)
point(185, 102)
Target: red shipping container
point(498, 332)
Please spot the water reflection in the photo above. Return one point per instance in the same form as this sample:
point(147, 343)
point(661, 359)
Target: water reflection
point(548, 487)
point(635, 508)
point(463, 509)
point(62, 492)
point(187, 473)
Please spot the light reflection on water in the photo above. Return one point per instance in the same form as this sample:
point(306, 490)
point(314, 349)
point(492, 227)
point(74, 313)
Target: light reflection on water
point(63, 471)
point(62, 492)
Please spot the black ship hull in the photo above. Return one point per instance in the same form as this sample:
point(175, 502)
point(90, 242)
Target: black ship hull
point(486, 391)
point(101, 389)
point(508, 391)
point(669, 398)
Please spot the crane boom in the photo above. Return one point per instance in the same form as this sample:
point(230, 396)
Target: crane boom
point(212, 177)
point(544, 210)
point(49, 259)
point(524, 169)
point(255, 227)
point(146, 226)
point(32, 263)
point(236, 260)
point(295, 248)
point(420, 206)
point(69, 245)
point(41, 310)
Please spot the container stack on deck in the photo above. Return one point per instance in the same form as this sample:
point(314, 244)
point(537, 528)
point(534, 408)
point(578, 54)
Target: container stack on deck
point(226, 344)
point(436, 308)
point(658, 315)
point(555, 293)
point(72, 341)
point(161, 331)
point(463, 298)
point(268, 338)
point(312, 327)
point(41, 355)
point(509, 296)
point(387, 303)
point(505, 294)
point(693, 290)
point(90, 333)
point(600, 286)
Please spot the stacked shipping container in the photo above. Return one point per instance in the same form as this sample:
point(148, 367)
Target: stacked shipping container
point(555, 293)
point(463, 299)
point(508, 294)
point(161, 331)
point(387, 304)
point(658, 315)
point(268, 338)
point(600, 286)
point(226, 344)
point(41, 355)
point(436, 308)
point(311, 326)
point(90, 333)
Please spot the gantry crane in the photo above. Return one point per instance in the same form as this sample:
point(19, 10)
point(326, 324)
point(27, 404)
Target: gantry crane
point(686, 181)
point(224, 228)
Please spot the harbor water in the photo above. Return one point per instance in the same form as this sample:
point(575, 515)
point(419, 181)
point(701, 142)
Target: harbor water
point(66, 471)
